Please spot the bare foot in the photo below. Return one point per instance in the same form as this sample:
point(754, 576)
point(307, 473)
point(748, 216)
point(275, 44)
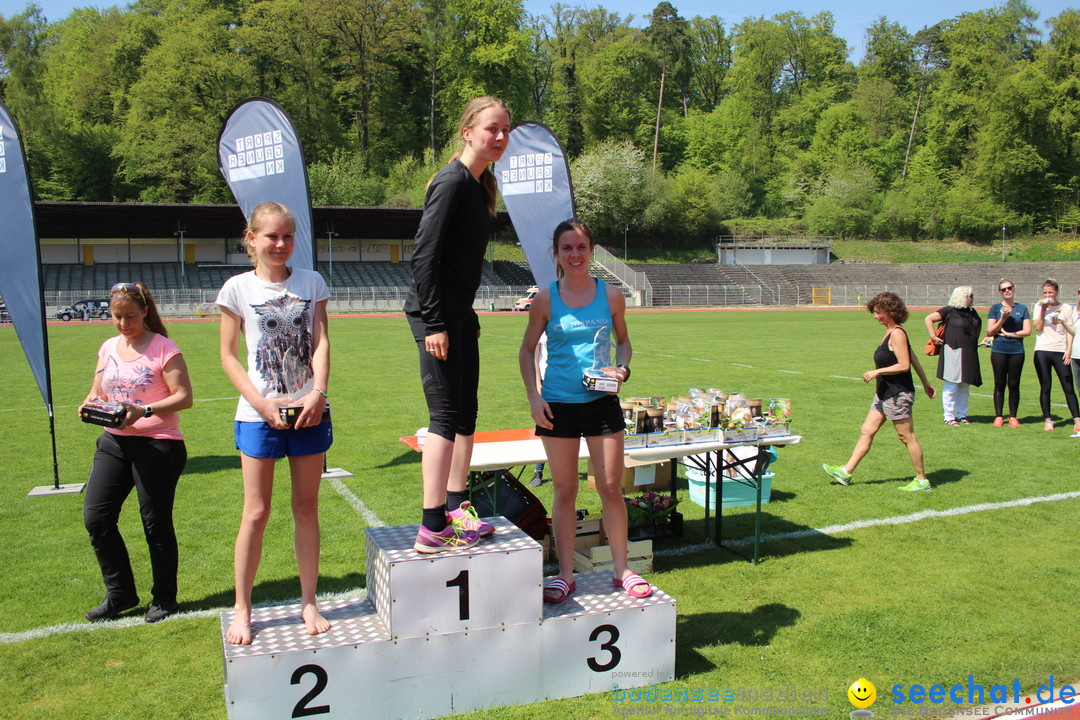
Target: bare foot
point(313, 621)
point(239, 633)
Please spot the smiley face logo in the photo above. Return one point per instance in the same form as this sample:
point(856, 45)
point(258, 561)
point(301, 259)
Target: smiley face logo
point(862, 693)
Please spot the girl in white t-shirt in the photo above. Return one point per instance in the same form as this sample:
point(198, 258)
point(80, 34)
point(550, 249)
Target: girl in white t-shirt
point(281, 311)
point(1054, 323)
point(1076, 360)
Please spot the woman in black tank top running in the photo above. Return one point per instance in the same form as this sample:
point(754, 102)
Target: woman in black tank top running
point(893, 361)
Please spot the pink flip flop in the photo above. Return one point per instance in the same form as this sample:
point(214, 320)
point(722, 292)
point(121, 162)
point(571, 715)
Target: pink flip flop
point(560, 586)
point(631, 583)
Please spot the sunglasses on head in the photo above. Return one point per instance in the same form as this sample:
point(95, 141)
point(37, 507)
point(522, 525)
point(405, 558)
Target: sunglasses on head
point(1006, 288)
point(128, 287)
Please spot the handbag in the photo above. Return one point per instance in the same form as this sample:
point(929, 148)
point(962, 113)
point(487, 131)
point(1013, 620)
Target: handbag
point(932, 348)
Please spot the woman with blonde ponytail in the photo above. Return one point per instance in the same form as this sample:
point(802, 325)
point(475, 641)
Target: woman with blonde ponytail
point(447, 260)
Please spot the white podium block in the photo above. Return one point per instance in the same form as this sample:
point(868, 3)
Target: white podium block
point(494, 584)
point(600, 638)
point(597, 640)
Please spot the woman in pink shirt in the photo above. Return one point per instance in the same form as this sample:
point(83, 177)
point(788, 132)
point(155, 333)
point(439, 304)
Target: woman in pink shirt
point(143, 370)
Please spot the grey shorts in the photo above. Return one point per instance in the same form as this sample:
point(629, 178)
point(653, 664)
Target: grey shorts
point(895, 408)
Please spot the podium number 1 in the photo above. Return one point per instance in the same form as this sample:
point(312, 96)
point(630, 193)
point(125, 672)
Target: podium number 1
point(461, 582)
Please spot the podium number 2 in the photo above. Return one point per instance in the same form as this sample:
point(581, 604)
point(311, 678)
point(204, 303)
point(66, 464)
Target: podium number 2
point(301, 708)
point(609, 646)
point(461, 582)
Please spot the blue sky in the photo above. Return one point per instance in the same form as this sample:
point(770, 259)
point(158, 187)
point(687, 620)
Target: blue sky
point(852, 16)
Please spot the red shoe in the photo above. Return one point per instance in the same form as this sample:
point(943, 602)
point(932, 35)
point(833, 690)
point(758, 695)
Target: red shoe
point(999, 421)
point(1013, 422)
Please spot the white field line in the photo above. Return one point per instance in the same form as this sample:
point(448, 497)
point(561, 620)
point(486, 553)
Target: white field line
point(137, 621)
point(877, 522)
point(69, 628)
point(365, 513)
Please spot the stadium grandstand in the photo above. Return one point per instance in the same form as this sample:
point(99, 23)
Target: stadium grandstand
point(185, 253)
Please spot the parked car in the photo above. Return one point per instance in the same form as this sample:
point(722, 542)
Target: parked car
point(98, 308)
point(4, 316)
point(524, 303)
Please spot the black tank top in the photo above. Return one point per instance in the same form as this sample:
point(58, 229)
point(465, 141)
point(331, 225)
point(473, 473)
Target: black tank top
point(889, 386)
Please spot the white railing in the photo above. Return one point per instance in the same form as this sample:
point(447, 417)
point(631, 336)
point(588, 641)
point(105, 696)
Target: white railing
point(200, 302)
point(914, 295)
point(638, 282)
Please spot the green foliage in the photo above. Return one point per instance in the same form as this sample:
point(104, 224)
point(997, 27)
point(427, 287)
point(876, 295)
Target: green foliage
point(618, 91)
point(968, 212)
point(611, 186)
point(126, 103)
point(696, 202)
point(844, 204)
point(407, 184)
point(345, 180)
point(898, 217)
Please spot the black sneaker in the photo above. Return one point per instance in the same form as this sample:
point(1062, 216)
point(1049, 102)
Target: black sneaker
point(110, 608)
point(158, 611)
point(537, 479)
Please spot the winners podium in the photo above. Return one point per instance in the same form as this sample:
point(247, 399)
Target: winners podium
point(449, 633)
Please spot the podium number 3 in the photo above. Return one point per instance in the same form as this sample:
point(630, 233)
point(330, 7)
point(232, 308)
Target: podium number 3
point(609, 646)
point(301, 708)
point(461, 582)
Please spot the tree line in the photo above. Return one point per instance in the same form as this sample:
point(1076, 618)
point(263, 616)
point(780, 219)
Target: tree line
point(681, 129)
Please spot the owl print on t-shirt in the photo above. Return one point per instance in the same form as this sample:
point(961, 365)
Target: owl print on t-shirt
point(283, 355)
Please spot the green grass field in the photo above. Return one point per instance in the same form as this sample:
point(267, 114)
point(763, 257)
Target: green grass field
point(989, 591)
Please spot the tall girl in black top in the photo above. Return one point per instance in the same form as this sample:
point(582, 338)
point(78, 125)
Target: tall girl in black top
point(895, 396)
point(447, 261)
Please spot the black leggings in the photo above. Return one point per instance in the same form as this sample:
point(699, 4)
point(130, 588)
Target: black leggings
point(1044, 361)
point(450, 385)
point(152, 467)
point(1007, 369)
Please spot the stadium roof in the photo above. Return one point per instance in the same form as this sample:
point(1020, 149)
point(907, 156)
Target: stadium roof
point(158, 220)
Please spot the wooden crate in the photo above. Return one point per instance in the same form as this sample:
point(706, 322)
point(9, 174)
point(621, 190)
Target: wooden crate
point(641, 477)
point(639, 556)
point(590, 533)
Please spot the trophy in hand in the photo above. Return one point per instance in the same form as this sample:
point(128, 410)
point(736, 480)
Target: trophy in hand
point(603, 350)
point(103, 412)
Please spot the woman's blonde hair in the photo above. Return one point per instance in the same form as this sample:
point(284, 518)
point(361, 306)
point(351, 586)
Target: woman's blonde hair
point(472, 110)
point(257, 221)
point(958, 299)
point(1051, 282)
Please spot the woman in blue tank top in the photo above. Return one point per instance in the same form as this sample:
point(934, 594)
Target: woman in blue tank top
point(571, 311)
